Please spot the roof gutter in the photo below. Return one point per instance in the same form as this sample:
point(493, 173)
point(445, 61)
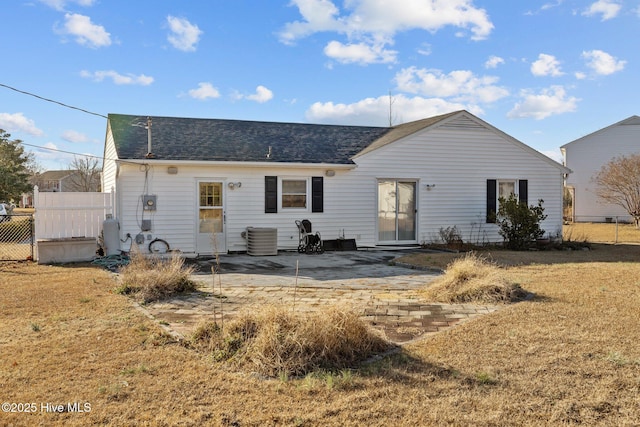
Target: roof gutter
point(286, 165)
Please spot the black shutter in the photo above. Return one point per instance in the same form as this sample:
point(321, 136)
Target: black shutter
point(523, 191)
point(317, 194)
point(492, 200)
point(270, 194)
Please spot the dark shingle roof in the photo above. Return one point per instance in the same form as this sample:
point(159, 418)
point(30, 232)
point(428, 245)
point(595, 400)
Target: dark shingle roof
point(236, 140)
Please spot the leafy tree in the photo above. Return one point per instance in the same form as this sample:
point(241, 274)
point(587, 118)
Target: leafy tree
point(85, 176)
point(618, 182)
point(519, 224)
point(15, 168)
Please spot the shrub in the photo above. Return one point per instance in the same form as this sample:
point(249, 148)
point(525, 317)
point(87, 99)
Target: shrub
point(450, 235)
point(519, 224)
point(275, 341)
point(473, 279)
point(154, 278)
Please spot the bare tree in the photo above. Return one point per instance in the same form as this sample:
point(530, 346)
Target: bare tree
point(85, 174)
point(618, 182)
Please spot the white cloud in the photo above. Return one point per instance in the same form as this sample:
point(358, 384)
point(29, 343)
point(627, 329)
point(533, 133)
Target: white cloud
point(548, 102)
point(74, 136)
point(493, 62)
point(360, 53)
point(609, 9)
point(385, 17)
point(184, 35)
point(49, 157)
point(602, 62)
point(580, 75)
point(85, 32)
point(375, 22)
point(375, 111)
point(548, 6)
point(61, 4)
point(461, 85)
point(546, 65)
point(425, 49)
point(117, 78)
point(318, 15)
point(17, 122)
point(261, 96)
point(205, 91)
point(544, 7)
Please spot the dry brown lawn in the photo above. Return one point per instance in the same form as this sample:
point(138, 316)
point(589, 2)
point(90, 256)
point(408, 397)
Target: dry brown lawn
point(569, 356)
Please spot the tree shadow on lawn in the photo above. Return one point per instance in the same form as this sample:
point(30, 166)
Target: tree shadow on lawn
point(402, 367)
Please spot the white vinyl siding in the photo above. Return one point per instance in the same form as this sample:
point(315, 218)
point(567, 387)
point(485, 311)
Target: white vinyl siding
point(587, 155)
point(109, 167)
point(459, 160)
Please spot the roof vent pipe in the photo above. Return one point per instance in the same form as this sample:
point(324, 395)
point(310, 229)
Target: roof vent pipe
point(148, 128)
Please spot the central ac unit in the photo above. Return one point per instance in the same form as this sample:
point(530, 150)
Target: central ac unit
point(262, 241)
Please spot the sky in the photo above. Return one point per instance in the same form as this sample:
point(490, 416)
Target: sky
point(544, 72)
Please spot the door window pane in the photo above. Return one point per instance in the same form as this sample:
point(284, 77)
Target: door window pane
point(210, 221)
point(210, 214)
point(386, 210)
point(210, 194)
point(406, 211)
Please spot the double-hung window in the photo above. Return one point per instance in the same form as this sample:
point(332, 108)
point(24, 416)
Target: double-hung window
point(294, 193)
point(497, 188)
point(505, 189)
point(288, 193)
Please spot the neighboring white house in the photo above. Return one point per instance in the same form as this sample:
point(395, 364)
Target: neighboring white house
point(186, 180)
point(61, 181)
point(586, 156)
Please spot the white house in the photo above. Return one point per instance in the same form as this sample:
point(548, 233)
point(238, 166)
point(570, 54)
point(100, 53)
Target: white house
point(199, 184)
point(586, 156)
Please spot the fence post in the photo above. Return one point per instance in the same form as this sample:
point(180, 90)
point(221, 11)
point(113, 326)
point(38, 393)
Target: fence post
point(32, 225)
point(35, 196)
point(616, 229)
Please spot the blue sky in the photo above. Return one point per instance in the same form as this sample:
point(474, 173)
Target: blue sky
point(545, 73)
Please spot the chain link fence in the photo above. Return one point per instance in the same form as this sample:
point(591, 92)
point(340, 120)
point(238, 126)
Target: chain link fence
point(16, 237)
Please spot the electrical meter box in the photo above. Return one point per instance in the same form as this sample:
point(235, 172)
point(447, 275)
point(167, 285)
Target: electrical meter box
point(149, 202)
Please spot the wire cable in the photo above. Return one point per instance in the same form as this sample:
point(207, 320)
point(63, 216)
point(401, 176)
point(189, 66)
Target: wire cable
point(132, 162)
point(53, 101)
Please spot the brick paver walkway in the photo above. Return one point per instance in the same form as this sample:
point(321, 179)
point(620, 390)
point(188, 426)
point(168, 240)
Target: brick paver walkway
point(387, 296)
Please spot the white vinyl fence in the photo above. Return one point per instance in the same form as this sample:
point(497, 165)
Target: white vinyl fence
point(70, 214)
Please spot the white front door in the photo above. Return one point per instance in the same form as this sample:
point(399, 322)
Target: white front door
point(210, 233)
point(396, 211)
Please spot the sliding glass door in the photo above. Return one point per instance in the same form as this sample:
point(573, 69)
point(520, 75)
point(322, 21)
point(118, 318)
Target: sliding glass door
point(397, 211)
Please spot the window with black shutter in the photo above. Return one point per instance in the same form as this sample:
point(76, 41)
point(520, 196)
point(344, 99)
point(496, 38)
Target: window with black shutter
point(492, 200)
point(317, 194)
point(270, 194)
point(523, 191)
point(503, 188)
